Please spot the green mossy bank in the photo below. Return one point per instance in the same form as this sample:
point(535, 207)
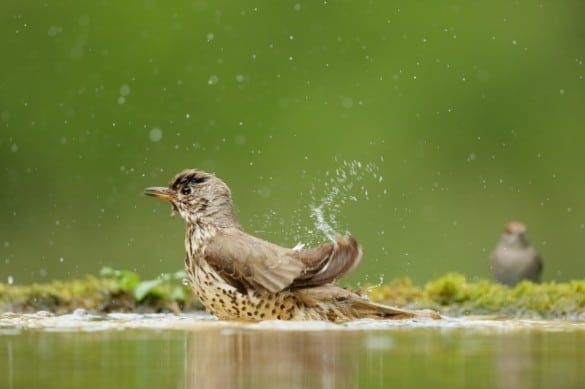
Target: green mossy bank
point(452, 294)
point(112, 291)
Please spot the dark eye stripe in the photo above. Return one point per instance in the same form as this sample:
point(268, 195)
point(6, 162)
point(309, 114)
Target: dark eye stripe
point(197, 180)
point(189, 179)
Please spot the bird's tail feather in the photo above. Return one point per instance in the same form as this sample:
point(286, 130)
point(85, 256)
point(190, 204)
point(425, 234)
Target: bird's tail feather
point(339, 304)
point(333, 261)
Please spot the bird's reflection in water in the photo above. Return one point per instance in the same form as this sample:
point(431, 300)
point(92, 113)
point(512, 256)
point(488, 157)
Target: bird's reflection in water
point(270, 359)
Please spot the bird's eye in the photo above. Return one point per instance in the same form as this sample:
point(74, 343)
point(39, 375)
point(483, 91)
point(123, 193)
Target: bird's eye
point(185, 190)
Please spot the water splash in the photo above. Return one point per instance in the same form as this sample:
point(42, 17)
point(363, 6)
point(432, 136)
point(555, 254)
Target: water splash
point(321, 224)
point(330, 194)
point(353, 181)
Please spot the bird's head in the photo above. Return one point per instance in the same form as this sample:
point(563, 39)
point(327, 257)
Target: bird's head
point(515, 234)
point(199, 197)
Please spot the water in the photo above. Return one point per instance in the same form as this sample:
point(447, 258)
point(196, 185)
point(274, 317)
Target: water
point(329, 195)
point(195, 351)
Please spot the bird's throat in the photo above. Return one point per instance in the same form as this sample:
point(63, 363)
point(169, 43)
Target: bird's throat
point(197, 236)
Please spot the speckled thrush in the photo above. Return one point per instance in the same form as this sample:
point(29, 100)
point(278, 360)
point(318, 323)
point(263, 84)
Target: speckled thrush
point(514, 259)
point(237, 276)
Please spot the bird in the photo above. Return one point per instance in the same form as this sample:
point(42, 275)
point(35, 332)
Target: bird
point(514, 259)
point(239, 277)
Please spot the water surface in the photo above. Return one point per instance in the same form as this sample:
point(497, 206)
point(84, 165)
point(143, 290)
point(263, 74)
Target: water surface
point(195, 351)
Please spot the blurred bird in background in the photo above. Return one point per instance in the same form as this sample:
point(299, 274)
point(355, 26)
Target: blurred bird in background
point(514, 258)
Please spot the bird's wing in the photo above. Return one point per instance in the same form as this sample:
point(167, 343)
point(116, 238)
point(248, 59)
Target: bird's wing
point(331, 261)
point(253, 262)
point(264, 266)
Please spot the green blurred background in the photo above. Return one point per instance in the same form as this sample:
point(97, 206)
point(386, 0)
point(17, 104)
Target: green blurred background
point(421, 127)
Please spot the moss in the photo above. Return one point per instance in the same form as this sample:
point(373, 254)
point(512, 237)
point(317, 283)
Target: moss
point(57, 296)
point(452, 294)
point(120, 291)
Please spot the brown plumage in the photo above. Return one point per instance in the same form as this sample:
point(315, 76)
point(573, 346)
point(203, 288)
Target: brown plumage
point(237, 276)
point(514, 259)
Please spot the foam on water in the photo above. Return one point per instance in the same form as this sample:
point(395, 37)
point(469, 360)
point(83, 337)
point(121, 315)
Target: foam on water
point(14, 324)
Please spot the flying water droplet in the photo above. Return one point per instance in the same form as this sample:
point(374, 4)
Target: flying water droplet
point(155, 134)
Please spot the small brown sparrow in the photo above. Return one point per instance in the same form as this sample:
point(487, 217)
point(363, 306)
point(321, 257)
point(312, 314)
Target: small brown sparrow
point(514, 258)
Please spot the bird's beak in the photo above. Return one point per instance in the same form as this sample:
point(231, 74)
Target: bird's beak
point(161, 193)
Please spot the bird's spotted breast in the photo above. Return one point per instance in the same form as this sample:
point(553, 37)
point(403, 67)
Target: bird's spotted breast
point(228, 303)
